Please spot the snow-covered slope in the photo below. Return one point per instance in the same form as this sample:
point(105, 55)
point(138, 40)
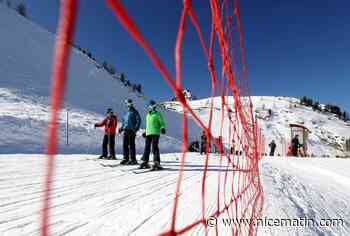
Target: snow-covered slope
point(313, 189)
point(109, 200)
point(24, 120)
point(26, 52)
point(328, 133)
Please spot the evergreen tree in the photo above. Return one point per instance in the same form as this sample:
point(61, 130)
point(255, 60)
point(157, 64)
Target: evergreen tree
point(133, 86)
point(309, 102)
point(111, 69)
point(336, 110)
point(316, 106)
point(344, 116)
point(21, 9)
point(122, 77)
point(139, 88)
point(105, 65)
point(303, 100)
point(327, 108)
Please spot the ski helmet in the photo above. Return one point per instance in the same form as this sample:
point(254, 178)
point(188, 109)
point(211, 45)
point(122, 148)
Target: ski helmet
point(152, 105)
point(129, 102)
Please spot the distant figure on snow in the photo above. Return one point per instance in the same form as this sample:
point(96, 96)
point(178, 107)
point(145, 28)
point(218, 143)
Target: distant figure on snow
point(203, 143)
point(130, 126)
point(218, 145)
point(272, 146)
point(296, 145)
point(194, 147)
point(110, 124)
point(155, 126)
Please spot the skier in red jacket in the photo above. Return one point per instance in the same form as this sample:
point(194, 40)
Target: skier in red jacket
point(110, 123)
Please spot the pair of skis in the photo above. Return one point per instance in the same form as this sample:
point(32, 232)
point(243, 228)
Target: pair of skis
point(109, 165)
point(101, 159)
point(135, 170)
point(145, 170)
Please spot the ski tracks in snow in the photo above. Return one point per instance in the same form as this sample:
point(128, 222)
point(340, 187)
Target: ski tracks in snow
point(306, 188)
point(89, 199)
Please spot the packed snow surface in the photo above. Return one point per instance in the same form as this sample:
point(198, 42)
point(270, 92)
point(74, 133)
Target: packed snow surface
point(91, 199)
point(316, 189)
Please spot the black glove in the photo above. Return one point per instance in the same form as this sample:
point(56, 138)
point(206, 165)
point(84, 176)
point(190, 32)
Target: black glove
point(95, 125)
point(162, 131)
point(120, 130)
point(144, 135)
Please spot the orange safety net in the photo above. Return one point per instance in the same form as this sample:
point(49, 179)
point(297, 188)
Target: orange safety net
point(244, 143)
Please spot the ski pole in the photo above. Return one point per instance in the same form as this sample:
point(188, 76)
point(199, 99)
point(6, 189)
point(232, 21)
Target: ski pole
point(109, 144)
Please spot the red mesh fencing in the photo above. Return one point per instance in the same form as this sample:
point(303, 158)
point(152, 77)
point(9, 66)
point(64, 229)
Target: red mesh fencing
point(240, 146)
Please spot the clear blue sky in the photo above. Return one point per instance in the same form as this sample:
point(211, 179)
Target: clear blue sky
point(294, 47)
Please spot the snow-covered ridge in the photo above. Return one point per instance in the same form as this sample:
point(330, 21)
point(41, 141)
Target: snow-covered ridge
point(328, 133)
point(26, 53)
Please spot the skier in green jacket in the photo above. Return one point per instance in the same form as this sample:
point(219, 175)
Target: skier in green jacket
point(155, 126)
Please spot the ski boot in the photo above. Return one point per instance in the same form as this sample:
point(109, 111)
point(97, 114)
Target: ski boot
point(133, 162)
point(157, 166)
point(144, 165)
point(102, 157)
point(124, 162)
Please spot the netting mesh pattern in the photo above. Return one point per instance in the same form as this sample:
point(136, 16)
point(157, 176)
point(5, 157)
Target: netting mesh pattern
point(239, 191)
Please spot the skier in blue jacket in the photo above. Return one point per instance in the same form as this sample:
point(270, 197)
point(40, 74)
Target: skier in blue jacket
point(130, 125)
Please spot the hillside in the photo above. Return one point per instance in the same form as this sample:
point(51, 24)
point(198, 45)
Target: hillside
point(26, 52)
point(328, 133)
